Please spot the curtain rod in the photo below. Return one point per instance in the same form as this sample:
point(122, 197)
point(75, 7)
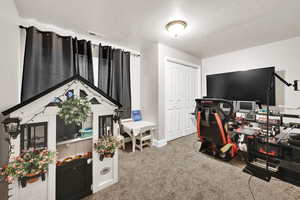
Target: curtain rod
point(94, 45)
point(125, 50)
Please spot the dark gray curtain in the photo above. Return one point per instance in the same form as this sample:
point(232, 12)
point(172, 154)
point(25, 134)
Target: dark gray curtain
point(114, 76)
point(84, 59)
point(104, 67)
point(50, 59)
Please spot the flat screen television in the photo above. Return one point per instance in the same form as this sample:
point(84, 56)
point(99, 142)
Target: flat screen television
point(248, 85)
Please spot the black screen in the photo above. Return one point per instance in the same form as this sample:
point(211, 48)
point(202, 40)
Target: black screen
point(248, 85)
point(246, 105)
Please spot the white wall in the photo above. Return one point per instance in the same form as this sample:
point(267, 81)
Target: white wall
point(149, 83)
point(9, 54)
point(9, 69)
point(152, 84)
point(135, 81)
point(152, 81)
point(165, 52)
point(284, 55)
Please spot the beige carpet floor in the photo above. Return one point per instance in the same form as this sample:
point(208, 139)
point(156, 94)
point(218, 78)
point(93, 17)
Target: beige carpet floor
point(177, 172)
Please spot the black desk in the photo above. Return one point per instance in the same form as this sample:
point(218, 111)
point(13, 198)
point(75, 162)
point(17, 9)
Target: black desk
point(287, 159)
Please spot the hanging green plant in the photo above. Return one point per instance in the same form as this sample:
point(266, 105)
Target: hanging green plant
point(75, 110)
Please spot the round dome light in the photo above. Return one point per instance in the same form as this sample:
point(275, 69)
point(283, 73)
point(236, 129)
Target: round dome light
point(176, 28)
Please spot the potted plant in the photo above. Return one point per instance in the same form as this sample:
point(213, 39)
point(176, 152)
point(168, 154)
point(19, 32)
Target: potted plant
point(74, 110)
point(27, 167)
point(106, 146)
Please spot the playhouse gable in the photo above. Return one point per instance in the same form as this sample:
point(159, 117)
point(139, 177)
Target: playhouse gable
point(73, 87)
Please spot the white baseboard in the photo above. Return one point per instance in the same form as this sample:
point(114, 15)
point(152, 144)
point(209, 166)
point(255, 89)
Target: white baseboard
point(159, 143)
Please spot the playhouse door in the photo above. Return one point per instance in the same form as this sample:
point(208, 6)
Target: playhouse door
point(103, 170)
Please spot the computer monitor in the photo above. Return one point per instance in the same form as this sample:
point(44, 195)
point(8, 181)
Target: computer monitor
point(243, 85)
point(246, 106)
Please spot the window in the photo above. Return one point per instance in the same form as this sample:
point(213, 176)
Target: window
point(106, 125)
point(65, 131)
point(34, 136)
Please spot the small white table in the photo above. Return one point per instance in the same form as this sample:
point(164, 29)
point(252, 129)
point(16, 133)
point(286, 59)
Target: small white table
point(133, 129)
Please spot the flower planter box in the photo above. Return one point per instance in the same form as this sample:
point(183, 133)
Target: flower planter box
point(31, 178)
point(106, 155)
point(109, 155)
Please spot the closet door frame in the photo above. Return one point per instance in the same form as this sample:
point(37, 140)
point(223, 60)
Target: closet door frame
point(187, 66)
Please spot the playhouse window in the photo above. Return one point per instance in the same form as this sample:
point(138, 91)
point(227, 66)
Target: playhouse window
point(105, 125)
point(64, 131)
point(34, 136)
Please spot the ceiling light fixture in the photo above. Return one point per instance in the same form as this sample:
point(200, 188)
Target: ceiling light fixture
point(176, 27)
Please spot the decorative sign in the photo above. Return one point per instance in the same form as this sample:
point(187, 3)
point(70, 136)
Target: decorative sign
point(94, 101)
point(82, 93)
point(105, 170)
point(70, 94)
point(136, 115)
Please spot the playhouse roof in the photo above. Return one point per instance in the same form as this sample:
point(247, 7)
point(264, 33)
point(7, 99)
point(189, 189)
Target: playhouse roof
point(77, 77)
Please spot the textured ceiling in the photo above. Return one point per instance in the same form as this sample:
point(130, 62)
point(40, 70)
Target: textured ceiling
point(214, 26)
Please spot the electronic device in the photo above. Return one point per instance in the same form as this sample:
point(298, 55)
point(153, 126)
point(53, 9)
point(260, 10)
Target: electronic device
point(245, 106)
point(262, 163)
point(250, 116)
point(226, 108)
point(273, 120)
point(240, 115)
point(242, 85)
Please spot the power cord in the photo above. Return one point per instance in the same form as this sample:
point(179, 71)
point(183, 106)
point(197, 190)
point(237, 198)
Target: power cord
point(249, 184)
point(250, 177)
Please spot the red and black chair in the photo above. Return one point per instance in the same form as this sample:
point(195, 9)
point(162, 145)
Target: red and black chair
point(212, 121)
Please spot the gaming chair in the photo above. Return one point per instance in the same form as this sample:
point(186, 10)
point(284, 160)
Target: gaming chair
point(212, 121)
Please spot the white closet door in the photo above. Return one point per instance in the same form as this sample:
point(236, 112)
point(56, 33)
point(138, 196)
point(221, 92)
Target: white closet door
point(181, 91)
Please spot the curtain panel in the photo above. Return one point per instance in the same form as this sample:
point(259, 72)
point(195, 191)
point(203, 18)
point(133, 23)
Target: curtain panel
point(83, 59)
point(114, 76)
point(50, 59)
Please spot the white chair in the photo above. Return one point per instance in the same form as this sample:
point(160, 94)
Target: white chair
point(145, 138)
point(126, 140)
point(121, 138)
point(139, 130)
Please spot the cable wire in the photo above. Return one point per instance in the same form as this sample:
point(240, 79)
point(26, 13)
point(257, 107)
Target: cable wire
point(249, 185)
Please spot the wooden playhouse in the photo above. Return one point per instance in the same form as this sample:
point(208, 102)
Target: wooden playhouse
point(77, 170)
